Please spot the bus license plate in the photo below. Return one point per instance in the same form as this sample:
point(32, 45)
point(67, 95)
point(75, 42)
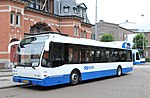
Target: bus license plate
point(25, 81)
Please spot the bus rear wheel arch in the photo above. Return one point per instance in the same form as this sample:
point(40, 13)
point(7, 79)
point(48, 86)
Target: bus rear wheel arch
point(75, 77)
point(119, 71)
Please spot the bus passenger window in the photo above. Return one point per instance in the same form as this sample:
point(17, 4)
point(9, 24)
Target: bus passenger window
point(83, 56)
point(92, 56)
point(76, 56)
point(102, 56)
point(107, 54)
point(122, 56)
point(87, 56)
point(137, 56)
point(70, 56)
point(57, 54)
point(129, 56)
point(97, 59)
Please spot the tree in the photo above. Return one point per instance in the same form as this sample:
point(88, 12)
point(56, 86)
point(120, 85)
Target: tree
point(107, 38)
point(138, 40)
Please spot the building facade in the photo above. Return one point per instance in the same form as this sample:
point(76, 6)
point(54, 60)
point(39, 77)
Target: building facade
point(147, 37)
point(20, 17)
point(119, 33)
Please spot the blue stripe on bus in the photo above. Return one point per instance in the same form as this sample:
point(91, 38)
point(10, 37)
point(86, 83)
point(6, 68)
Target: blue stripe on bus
point(104, 73)
point(63, 79)
point(136, 63)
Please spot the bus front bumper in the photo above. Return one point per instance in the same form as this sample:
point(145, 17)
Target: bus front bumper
point(32, 81)
point(48, 81)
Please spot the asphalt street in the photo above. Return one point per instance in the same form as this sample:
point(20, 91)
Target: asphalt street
point(132, 85)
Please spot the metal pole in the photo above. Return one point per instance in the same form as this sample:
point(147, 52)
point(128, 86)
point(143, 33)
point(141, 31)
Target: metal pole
point(143, 45)
point(142, 15)
point(96, 22)
point(135, 42)
point(143, 41)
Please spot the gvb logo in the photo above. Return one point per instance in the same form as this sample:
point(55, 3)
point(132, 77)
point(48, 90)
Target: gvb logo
point(88, 67)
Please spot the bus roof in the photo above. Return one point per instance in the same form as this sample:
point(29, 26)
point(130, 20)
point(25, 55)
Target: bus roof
point(63, 38)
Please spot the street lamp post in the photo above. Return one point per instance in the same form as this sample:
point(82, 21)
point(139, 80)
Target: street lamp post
point(142, 15)
point(96, 38)
point(143, 41)
point(143, 45)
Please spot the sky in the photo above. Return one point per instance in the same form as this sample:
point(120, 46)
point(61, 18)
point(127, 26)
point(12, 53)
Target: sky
point(118, 11)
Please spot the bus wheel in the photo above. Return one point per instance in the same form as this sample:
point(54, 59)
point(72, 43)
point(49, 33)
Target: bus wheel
point(119, 71)
point(74, 78)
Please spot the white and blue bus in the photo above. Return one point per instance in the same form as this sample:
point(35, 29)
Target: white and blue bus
point(137, 57)
point(51, 58)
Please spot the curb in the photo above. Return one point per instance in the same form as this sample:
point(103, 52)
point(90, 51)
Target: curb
point(5, 70)
point(12, 86)
point(5, 75)
point(148, 64)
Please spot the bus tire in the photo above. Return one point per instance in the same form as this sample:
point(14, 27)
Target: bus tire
point(75, 77)
point(119, 71)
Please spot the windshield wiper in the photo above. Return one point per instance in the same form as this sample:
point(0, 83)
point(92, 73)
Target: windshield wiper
point(24, 65)
point(33, 67)
point(19, 64)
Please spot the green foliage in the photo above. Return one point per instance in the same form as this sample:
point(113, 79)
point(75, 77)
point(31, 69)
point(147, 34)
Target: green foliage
point(107, 38)
point(138, 40)
point(147, 59)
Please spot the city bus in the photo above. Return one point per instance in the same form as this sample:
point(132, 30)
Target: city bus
point(50, 58)
point(137, 57)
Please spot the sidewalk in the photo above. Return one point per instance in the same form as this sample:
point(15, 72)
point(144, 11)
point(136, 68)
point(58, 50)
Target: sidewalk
point(6, 79)
point(6, 82)
point(5, 72)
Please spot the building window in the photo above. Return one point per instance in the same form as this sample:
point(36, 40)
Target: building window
point(44, 5)
point(75, 10)
point(84, 34)
point(66, 9)
point(76, 31)
point(81, 13)
point(12, 20)
point(18, 19)
point(38, 5)
point(32, 2)
point(84, 15)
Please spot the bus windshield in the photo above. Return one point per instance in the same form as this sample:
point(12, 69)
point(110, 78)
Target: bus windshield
point(29, 51)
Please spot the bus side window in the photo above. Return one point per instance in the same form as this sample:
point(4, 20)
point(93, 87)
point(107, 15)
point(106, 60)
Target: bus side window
point(122, 56)
point(116, 56)
point(87, 56)
point(70, 55)
point(102, 56)
point(76, 56)
point(98, 52)
point(137, 56)
point(83, 56)
point(129, 55)
point(57, 54)
point(107, 55)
